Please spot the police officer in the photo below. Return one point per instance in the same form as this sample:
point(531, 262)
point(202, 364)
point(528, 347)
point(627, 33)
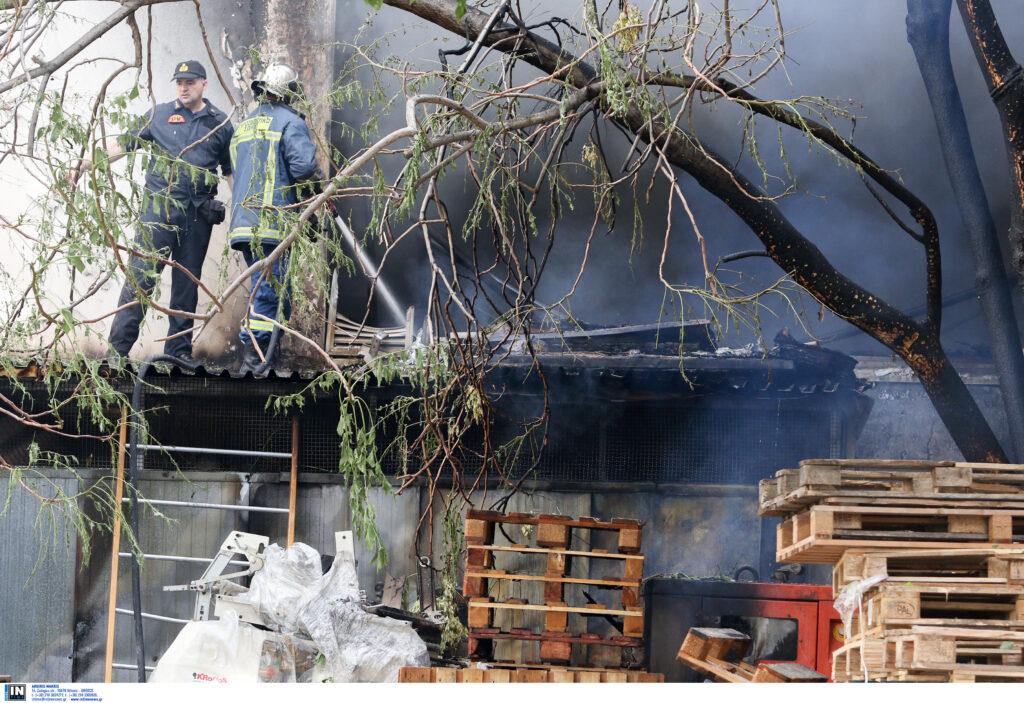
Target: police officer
point(178, 212)
point(272, 153)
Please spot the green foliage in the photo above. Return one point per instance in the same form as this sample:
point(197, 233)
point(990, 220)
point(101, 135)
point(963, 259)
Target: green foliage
point(454, 545)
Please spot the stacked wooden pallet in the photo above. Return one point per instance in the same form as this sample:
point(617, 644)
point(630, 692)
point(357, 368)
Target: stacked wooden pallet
point(930, 553)
point(538, 551)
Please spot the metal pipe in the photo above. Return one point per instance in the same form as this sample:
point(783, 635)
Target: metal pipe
point(151, 616)
point(213, 506)
point(203, 450)
point(186, 560)
point(117, 665)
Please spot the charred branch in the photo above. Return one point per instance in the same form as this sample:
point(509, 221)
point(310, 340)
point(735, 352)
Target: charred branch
point(1005, 82)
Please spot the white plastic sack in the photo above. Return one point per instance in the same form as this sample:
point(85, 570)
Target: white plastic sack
point(295, 598)
point(230, 651)
point(288, 579)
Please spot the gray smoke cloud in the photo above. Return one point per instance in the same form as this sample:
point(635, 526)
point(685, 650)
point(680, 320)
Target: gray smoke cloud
point(842, 50)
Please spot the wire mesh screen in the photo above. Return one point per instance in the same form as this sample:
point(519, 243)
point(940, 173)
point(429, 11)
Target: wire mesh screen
point(218, 414)
point(709, 440)
point(677, 443)
point(686, 444)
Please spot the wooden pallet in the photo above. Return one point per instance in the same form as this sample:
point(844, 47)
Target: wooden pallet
point(892, 606)
point(938, 566)
point(520, 674)
point(551, 537)
point(997, 486)
point(709, 649)
point(822, 533)
point(932, 654)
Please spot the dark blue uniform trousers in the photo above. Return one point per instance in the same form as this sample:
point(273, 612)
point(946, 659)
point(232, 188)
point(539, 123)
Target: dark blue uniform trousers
point(266, 300)
point(183, 236)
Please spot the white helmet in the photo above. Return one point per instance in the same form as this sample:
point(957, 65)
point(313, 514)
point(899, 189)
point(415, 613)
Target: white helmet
point(279, 80)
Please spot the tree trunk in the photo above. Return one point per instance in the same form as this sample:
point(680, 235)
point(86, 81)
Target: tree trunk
point(917, 344)
point(928, 34)
point(1006, 86)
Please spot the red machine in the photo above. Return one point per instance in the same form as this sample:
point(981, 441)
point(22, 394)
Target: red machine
point(786, 622)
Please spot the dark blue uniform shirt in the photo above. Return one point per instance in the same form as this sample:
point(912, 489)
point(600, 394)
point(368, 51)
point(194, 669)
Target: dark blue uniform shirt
point(173, 128)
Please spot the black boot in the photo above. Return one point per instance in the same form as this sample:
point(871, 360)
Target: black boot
point(251, 361)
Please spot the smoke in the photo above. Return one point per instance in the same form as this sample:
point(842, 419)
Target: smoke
point(847, 51)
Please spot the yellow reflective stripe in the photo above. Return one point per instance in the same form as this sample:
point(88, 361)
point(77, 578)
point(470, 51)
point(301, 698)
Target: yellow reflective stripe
point(255, 232)
point(258, 129)
point(271, 175)
point(248, 128)
point(261, 325)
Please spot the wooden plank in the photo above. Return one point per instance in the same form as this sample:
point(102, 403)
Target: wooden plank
point(442, 675)
point(828, 551)
point(910, 535)
point(786, 672)
point(470, 676)
point(108, 667)
point(633, 626)
point(293, 481)
point(479, 617)
point(887, 463)
point(415, 674)
point(556, 620)
point(554, 650)
point(486, 633)
point(477, 604)
point(629, 541)
point(499, 676)
point(552, 535)
point(524, 518)
point(502, 575)
point(804, 497)
point(553, 667)
point(716, 669)
point(565, 552)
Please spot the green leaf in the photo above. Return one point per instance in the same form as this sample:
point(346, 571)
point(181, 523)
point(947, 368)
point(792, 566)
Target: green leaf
point(375, 4)
point(460, 9)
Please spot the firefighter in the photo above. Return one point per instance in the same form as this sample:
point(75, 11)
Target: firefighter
point(272, 155)
point(179, 209)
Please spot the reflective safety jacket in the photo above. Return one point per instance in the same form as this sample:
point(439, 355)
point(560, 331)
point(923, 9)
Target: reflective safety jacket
point(271, 151)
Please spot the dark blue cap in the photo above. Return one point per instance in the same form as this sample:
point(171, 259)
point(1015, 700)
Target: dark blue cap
point(189, 69)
